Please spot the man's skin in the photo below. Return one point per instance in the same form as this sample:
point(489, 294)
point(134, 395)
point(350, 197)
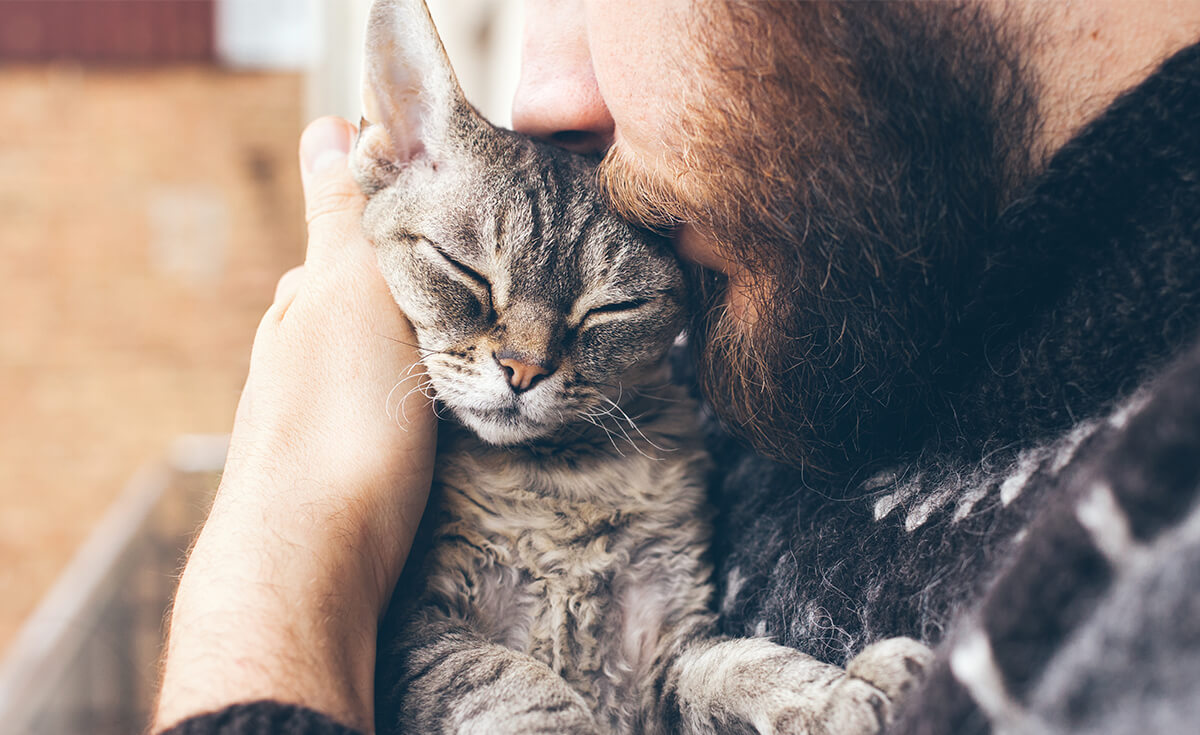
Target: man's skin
point(589, 67)
point(323, 490)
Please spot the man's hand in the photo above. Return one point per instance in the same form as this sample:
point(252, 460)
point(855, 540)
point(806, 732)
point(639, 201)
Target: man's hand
point(328, 472)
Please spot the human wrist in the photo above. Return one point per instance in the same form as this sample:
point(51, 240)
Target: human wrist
point(282, 592)
point(348, 520)
point(354, 548)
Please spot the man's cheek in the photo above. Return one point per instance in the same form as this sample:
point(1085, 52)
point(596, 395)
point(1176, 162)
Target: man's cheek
point(694, 247)
point(634, 47)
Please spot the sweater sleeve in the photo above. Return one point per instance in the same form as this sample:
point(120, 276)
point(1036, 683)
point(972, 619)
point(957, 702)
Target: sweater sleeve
point(261, 718)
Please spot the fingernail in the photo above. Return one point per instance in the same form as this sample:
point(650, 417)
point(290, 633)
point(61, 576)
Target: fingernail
point(324, 141)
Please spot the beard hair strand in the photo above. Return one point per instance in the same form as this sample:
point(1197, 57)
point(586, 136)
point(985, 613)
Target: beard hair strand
point(852, 158)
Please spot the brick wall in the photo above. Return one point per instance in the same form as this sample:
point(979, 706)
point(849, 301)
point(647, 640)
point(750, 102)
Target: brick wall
point(112, 31)
point(144, 218)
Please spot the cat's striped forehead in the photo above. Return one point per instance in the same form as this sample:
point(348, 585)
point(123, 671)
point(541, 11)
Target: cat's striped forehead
point(548, 237)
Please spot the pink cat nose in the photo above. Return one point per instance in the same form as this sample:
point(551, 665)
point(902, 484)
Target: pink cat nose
point(521, 375)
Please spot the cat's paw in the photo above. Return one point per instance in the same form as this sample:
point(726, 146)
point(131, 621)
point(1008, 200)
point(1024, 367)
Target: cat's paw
point(895, 666)
point(863, 700)
point(853, 707)
point(774, 690)
point(842, 705)
point(807, 697)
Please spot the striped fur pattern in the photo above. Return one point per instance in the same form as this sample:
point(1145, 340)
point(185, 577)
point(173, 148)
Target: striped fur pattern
point(565, 584)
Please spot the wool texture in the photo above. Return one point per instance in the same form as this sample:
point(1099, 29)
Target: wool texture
point(1036, 536)
point(260, 718)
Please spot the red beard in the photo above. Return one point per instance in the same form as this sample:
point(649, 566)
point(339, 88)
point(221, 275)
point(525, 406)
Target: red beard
point(851, 159)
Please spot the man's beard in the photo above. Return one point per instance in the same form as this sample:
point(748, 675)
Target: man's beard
point(851, 159)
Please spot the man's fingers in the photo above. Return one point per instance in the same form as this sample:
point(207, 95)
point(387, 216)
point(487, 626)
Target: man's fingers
point(289, 284)
point(332, 200)
point(285, 294)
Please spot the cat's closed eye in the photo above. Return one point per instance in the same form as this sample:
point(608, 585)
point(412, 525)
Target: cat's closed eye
point(617, 306)
point(470, 273)
point(496, 246)
point(616, 309)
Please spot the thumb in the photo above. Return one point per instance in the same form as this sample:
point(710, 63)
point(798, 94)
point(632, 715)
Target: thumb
point(333, 202)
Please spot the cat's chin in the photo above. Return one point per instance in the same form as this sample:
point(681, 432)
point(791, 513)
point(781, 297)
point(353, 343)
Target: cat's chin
point(503, 432)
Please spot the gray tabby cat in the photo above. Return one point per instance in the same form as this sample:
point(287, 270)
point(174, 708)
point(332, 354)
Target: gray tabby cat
point(566, 588)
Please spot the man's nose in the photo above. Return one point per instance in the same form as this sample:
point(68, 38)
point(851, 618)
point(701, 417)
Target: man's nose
point(557, 98)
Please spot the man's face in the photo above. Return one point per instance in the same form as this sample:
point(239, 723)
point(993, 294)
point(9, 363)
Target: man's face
point(601, 73)
point(833, 172)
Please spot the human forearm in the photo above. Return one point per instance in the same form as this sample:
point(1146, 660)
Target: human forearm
point(273, 615)
point(324, 486)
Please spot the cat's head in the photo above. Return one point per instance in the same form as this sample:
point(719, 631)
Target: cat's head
point(532, 302)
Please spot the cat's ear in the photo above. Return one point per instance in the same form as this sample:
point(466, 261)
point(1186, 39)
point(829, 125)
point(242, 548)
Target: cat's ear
point(412, 103)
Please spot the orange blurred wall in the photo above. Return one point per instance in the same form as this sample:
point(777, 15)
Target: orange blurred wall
point(145, 214)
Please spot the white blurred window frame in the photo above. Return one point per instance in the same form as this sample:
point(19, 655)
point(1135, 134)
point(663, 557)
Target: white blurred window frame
point(265, 35)
point(482, 38)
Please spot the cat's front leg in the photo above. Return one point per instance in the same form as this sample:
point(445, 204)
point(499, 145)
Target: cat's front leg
point(450, 680)
point(753, 685)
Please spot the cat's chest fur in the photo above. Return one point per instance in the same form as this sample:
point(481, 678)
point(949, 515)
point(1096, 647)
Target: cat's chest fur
point(580, 557)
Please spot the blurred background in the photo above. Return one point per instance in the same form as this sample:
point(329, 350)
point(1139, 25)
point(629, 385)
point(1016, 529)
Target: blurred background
point(149, 200)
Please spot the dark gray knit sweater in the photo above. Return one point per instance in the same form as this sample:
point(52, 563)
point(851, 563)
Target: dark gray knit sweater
point(1047, 537)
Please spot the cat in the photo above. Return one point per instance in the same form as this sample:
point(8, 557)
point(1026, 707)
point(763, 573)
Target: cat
point(566, 587)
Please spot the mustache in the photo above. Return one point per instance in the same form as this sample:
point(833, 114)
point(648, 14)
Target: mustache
point(638, 194)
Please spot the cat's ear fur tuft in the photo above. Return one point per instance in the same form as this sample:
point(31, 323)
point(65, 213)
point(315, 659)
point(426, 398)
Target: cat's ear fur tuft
point(412, 103)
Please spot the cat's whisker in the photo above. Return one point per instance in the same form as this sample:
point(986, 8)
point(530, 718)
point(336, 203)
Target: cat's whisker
point(634, 444)
point(606, 411)
point(424, 350)
point(387, 403)
point(607, 433)
point(437, 412)
point(424, 390)
point(628, 438)
point(600, 414)
point(638, 429)
point(401, 411)
point(591, 419)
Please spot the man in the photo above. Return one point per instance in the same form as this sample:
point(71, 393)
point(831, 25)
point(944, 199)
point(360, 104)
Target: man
point(947, 279)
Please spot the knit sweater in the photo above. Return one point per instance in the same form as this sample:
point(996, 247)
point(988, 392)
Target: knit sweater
point(1046, 540)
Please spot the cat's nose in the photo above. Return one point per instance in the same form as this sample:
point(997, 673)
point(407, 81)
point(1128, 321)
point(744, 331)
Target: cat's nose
point(521, 372)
